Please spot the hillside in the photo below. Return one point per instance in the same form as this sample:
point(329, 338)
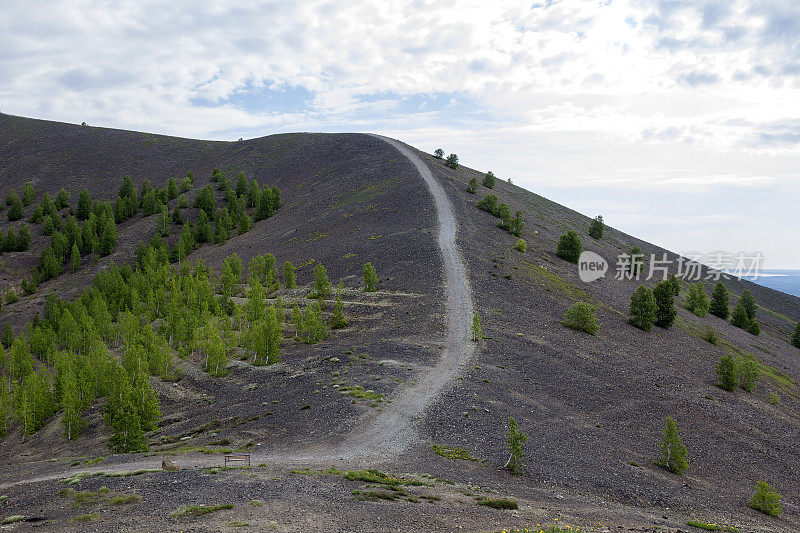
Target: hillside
point(399, 378)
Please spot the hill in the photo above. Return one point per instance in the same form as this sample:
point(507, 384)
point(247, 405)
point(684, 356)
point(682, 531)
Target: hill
point(398, 383)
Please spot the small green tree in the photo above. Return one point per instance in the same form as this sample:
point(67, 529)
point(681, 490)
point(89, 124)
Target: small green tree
point(245, 223)
point(370, 278)
point(337, 318)
point(766, 500)
point(747, 369)
point(517, 224)
point(582, 316)
point(75, 258)
point(739, 316)
point(728, 373)
point(288, 276)
point(15, 210)
point(719, 301)
point(489, 180)
point(674, 456)
point(697, 300)
point(521, 245)
point(472, 188)
point(128, 436)
point(438, 153)
point(477, 330)
point(516, 441)
point(452, 161)
point(597, 227)
point(796, 336)
point(84, 205)
point(62, 199)
point(643, 309)
point(322, 285)
point(28, 194)
point(569, 247)
point(665, 303)
point(749, 303)
point(675, 285)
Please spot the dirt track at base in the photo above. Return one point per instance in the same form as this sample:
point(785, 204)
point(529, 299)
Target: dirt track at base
point(384, 435)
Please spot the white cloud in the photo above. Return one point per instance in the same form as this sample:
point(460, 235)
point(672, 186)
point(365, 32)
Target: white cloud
point(569, 91)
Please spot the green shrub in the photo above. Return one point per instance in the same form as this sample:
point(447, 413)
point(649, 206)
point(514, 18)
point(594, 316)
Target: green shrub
point(753, 328)
point(199, 510)
point(581, 316)
point(719, 301)
point(664, 295)
point(596, 227)
point(674, 456)
point(747, 370)
point(11, 297)
point(749, 303)
point(489, 204)
point(438, 153)
point(697, 300)
point(796, 336)
point(489, 179)
point(516, 441)
point(766, 500)
point(569, 247)
point(739, 316)
point(452, 161)
point(521, 245)
point(472, 188)
point(643, 309)
point(710, 335)
point(728, 373)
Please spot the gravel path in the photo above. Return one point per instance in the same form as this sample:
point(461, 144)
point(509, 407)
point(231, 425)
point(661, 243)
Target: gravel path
point(381, 435)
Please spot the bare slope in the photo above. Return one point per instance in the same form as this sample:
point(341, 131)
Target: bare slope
point(593, 406)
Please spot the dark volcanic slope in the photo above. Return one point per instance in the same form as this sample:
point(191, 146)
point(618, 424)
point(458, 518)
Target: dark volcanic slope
point(592, 405)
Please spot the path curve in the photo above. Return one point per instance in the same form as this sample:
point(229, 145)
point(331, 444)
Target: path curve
point(384, 435)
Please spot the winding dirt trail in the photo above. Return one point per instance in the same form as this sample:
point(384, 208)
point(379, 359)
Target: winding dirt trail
point(380, 436)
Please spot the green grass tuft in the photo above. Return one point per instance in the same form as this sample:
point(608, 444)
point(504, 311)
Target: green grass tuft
point(199, 510)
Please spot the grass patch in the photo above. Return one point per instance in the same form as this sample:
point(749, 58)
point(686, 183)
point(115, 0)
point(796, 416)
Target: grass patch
point(453, 452)
point(499, 503)
point(257, 503)
point(710, 526)
point(358, 392)
point(123, 499)
point(129, 473)
point(378, 495)
point(239, 523)
point(90, 517)
point(13, 519)
point(199, 510)
point(96, 460)
point(553, 282)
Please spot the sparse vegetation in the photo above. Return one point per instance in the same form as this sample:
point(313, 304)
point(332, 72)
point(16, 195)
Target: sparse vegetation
point(796, 336)
point(674, 456)
point(582, 316)
point(748, 371)
point(199, 510)
point(499, 503)
point(453, 452)
point(521, 246)
point(710, 335)
point(766, 500)
point(472, 186)
point(569, 247)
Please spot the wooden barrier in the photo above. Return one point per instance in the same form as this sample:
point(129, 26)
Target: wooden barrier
point(234, 459)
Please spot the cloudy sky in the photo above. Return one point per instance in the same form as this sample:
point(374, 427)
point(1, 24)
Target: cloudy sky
point(678, 120)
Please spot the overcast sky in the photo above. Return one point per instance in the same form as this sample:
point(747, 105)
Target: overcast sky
point(678, 120)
